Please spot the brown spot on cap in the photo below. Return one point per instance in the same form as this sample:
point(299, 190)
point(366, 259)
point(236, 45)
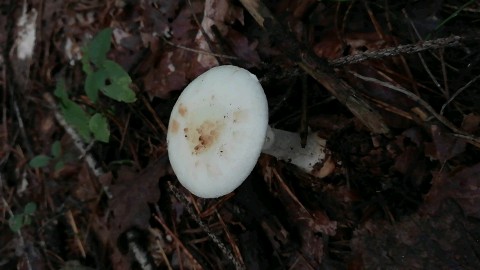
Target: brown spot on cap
point(204, 136)
point(182, 110)
point(174, 126)
point(239, 116)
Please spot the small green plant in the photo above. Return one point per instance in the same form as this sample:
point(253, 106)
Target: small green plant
point(102, 76)
point(18, 221)
point(42, 161)
point(82, 121)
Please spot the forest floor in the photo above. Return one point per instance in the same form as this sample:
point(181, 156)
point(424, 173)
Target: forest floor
point(393, 87)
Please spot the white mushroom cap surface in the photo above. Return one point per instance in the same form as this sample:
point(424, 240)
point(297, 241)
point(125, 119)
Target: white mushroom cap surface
point(216, 131)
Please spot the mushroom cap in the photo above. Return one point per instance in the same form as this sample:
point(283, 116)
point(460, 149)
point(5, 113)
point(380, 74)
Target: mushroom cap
point(216, 130)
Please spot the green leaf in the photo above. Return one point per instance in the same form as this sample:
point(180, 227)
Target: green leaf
point(39, 161)
point(99, 127)
point(30, 208)
point(59, 165)
point(119, 92)
point(26, 220)
point(56, 149)
point(15, 222)
point(86, 66)
point(72, 112)
point(77, 118)
point(99, 46)
point(116, 72)
point(119, 88)
point(94, 82)
point(60, 90)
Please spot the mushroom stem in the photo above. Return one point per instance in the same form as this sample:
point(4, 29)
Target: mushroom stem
point(286, 146)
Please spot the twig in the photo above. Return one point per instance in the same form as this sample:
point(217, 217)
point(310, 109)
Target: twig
point(235, 248)
point(168, 231)
point(470, 138)
point(159, 246)
point(422, 60)
point(452, 41)
point(459, 91)
point(78, 241)
point(21, 126)
point(154, 114)
point(198, 51)
point(226, 251)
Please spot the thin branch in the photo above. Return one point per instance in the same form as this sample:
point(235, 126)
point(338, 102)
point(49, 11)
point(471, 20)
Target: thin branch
point(453, 41)
point(176, 240)
point(459, 91)
point(422, 60)
point(76, 233)
point(226, 251)
point(198, 51)
point(470, 138)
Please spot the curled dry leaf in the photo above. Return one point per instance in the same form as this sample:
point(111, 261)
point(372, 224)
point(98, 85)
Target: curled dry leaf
point(462, 185)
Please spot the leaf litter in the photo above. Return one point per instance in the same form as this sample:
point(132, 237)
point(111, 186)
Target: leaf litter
point(403, 200)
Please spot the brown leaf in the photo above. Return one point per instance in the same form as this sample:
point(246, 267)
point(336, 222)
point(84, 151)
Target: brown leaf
point(444, 146)
point(242, 48)
point(471, 123)
point(87, 188)
point(462, 185)
point(170, 68)
point(156, 19)
point(132, 192)
point(118, 260)
point(168, 76)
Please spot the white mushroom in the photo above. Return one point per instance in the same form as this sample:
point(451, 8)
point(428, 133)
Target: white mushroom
point(218, 128)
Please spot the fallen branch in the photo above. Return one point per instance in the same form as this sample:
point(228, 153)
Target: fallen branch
point(317, 67)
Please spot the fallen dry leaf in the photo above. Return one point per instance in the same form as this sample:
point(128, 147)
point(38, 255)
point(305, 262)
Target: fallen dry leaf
point(462, 185)
point(471, 123)
point(132, 192)
point(444, 146)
